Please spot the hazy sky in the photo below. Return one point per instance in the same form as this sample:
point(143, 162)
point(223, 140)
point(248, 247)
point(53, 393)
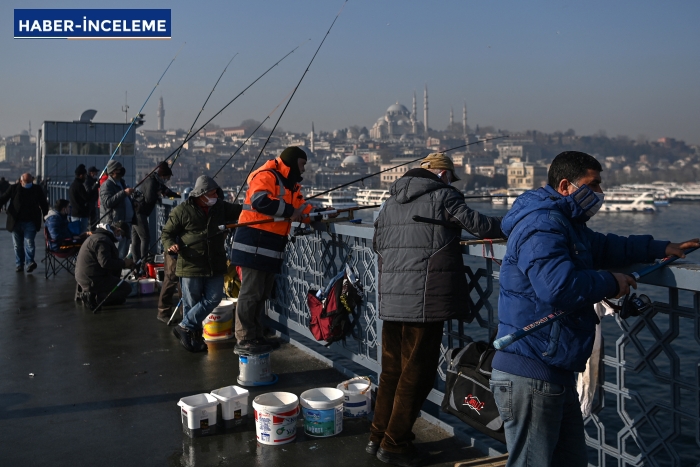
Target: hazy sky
point(626, 67)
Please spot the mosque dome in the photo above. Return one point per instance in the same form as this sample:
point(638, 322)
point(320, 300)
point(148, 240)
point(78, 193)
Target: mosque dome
point(352, 160)
point(397, 109)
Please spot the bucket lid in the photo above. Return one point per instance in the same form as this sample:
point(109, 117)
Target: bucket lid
point(322, 398)
point(229, 393)
point(198, 401)
point(275, 402)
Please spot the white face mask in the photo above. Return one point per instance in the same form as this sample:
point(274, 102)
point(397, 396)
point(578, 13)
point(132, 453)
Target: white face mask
point(444, 174)
point(594, 210)
point(210, 201)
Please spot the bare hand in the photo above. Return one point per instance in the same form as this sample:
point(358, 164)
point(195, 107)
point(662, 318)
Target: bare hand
point(676, 249)
point(334, 215)
point(174, 249)
point(624, 282)
point(298, 215)
point(128, 191)
point(128, 263)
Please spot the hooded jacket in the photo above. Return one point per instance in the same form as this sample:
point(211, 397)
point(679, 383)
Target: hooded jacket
point(98, 262)
point(79, 198)
point(28, 201)
point(57, 226)
point(151, 189)
point(113, 200)
point(553, 262)
point(421, 271)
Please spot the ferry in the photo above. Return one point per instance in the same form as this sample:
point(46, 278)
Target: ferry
point(513, 194)
point(370, 197)
point(627, 201)
point(338, 199)
point(500, 197)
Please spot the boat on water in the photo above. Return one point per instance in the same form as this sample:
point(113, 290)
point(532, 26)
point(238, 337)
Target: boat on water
point(370, 197)
point(628, 201)
point(513, 194)
point(339, 199)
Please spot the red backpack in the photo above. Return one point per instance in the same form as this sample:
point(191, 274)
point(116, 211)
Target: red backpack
point(333, 309)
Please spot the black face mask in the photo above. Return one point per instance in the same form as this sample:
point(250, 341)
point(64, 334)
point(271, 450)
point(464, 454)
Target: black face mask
point(294, 172)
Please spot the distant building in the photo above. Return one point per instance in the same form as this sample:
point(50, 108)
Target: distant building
point(17, 150)
point(394, 173)
point(526, 176)
point(396, 122)
point(62, 146)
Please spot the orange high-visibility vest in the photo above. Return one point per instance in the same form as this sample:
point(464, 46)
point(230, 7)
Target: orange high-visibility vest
point(267, 181)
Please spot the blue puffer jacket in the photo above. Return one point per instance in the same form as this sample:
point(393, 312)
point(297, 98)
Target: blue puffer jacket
point(552, 263)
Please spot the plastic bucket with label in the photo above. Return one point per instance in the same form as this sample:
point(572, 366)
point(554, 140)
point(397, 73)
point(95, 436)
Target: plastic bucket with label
point(322, 409)
point(276, 416)
point(358, 397)
point(233, 406)
point(147, 286)
point(218, 325)
point(198, 415)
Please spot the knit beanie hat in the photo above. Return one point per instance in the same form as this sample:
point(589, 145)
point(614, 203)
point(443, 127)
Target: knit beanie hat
point(113, 166)
point(93, 169)
point(164, 170)
point(290, 156)
point(80, 170)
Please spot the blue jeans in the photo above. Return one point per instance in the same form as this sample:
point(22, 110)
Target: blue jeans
point(200, 295)
point(84, 223)
point(543, 422)
point(23, 240)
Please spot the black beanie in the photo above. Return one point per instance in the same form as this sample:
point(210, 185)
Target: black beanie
point(164, 170)
point(80, 170)
point(290, 155)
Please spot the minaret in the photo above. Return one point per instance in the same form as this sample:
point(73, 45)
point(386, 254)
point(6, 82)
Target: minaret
point(161, 114)
point(414, 115)
point(452, 118)
point(425, 109)
point(464, 118)
point(312, 137)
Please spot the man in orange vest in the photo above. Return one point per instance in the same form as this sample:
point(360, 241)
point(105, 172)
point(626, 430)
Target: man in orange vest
point(273, 192)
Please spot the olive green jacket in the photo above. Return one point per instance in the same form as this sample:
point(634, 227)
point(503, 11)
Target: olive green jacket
point(188, 224)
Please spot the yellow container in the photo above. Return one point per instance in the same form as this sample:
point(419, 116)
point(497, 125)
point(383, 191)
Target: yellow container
point(218, 325)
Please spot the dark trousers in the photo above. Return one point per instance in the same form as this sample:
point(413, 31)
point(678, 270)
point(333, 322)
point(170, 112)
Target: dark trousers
point(170, 286)
point(140, 238)
point(410, 355)
point(256, 287)
point(106, 285)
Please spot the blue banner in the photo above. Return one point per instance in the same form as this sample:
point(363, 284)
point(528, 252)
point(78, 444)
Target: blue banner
point(92, 24)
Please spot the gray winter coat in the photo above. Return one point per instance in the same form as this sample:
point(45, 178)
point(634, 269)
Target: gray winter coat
point(113, 201)
point(98, 262)
point(421, 272)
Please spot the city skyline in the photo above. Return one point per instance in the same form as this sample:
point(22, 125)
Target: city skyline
point(629, 68)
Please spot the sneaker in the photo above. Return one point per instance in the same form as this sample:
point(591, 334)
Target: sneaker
point(185, 336)
point(31, 267)
point(199, 344)
point(19, 268)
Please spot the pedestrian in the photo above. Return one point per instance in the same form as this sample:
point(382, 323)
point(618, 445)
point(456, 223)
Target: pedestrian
point(80, 199)
point(56, 222)
point(273, 192)
point(115, 203)
point(201, 265)
point(554, 262)
point(4, 186)
point(27, 206)
point(93, 189)
point(98, 267)
point(422, 284)
point(152, 189)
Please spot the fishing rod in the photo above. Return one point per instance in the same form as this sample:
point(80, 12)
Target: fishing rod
point(172, 164)
point(132, 269)
point(222, 109)
point(248, 138)
point(556, 315)
point(290, 99)
point(400, 165)
point(133, 121)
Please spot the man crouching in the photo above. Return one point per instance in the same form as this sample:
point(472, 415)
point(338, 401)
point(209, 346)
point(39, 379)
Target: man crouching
point(202, 265)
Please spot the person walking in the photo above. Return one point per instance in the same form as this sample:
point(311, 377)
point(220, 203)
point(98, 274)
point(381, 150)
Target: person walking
point(27, 207)
point(152, 189)
point(93, 189)
point(115, 203)
point(422, 284)
point(273, 192)
point(4, 186)
point(80, 199)
point(192, 232)
point(554, 262)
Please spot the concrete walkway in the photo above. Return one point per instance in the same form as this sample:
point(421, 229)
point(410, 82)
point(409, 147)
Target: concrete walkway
point(101, 390)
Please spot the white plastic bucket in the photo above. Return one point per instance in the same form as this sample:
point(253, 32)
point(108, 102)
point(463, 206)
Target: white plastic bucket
point(198, 415)
point(358, 397)
point(147, 286)
point(254, 369)
point(323, 411)
point(218, 325)
point(276, 416)
point(233, 406)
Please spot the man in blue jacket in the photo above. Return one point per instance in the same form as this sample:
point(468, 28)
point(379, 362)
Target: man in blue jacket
point(554, 262)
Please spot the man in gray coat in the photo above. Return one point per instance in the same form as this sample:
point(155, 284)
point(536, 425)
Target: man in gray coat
point(115, 203)
point(422, 284)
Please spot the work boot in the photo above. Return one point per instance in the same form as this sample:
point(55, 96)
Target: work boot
point(186, 337)
point(250, 347)
point(19, 268)
point(409, 459)
point(31, 267)
point(372, 448)
point(199, 344)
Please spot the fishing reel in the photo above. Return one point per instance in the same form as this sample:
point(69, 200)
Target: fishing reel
point(632, 305)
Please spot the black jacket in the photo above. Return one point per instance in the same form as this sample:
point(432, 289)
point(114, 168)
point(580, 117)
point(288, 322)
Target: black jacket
point(151, 190)
point(79, 199)
point(35, 204)
point(421, 271)
point(98, 259)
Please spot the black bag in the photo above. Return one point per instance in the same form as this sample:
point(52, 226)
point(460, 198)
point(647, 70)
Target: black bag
point(468, 395)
